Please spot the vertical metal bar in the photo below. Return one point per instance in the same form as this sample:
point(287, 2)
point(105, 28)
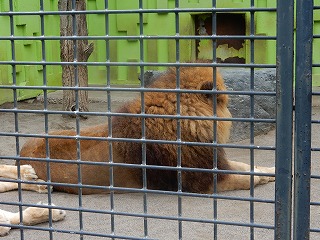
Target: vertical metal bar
point(45, 106)
point(110, 160)
point(214, 99)
point(179, 173)
point(252, 32)
point(76, 85)
point(143, 122)
point(303, 94)
point(15, 103)
point(284, 117)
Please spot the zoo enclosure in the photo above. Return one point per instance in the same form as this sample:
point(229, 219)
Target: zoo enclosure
point(28, 46)
point(175, 14)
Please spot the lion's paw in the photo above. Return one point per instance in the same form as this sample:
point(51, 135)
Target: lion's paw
point(273, 171)
point(41, 188)
point(36, 215)
point(57, 214)
point(265, 179)
point(28, 173)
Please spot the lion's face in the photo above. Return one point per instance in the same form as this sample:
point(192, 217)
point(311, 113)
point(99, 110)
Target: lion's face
point(194, 104)
point(209, 104)
point(219, 106)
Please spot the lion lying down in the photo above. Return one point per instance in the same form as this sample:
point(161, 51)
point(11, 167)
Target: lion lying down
point(130, 153)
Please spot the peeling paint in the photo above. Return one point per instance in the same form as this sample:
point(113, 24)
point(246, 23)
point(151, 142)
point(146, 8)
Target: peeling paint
point(223, 51)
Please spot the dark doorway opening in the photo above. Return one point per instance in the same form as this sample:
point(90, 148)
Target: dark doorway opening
point(228, 50)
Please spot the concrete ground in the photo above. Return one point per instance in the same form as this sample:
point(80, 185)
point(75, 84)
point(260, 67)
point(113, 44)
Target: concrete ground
point(166, 226)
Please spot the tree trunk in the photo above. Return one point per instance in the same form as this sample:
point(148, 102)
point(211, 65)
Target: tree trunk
point(67, 54)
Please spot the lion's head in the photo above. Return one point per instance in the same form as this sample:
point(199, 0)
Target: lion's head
point(207, 104)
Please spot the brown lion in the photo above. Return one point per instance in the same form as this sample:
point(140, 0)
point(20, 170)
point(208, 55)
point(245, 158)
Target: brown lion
point(128, 158)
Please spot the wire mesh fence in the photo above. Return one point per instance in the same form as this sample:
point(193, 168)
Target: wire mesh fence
point(144, 161)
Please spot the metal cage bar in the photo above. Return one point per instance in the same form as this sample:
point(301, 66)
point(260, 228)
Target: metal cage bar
point(284, 126)
point(252, 103)
point(302, 164)
point(16, 121)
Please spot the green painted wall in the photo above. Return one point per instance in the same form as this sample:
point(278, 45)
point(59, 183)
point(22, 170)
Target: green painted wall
point(28, 50)
point(154, 24)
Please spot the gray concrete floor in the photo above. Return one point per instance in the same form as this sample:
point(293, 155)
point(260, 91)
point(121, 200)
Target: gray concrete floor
point(200, 208)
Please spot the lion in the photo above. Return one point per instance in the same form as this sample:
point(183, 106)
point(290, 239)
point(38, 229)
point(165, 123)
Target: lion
point(167, 148)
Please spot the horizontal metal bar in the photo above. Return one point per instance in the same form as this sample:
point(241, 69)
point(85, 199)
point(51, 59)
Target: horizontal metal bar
point(129, 165)
point(138, 11)
point(70, 232)
point(140, 215)
point(138, 90)
point(138, 37)
point(113, 139)
point(137, 115)
point(145, 190)
point(139, 64)
point(142, 190)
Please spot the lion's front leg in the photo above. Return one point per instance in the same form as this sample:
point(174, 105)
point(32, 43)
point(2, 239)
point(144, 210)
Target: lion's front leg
point(9, 186)
point(36, 215)
point(30, 216)
point(238, 181)
point(26, 172)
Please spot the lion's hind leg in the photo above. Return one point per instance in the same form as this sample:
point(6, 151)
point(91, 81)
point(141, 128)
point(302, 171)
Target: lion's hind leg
point(10, 171)
point(26, 173)
point(36, 215)
point(30, 216)
point(240, 181)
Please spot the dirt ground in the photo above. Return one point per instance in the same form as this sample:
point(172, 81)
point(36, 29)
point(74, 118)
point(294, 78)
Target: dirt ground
point(162, 205)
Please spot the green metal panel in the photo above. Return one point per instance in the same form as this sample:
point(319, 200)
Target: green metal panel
point(28, 50)
point(5, 74)
point(163, 24)
point(154, 24)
